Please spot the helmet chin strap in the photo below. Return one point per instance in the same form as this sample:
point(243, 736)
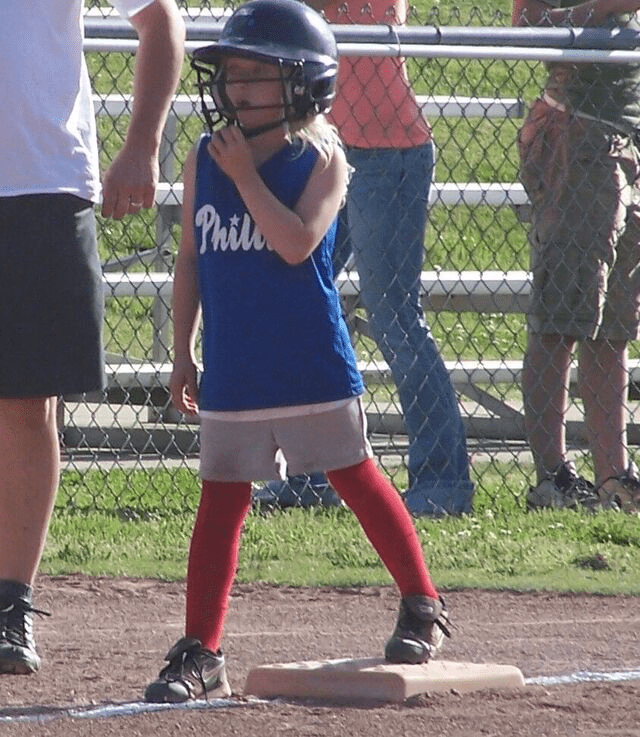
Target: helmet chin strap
point(258, 130)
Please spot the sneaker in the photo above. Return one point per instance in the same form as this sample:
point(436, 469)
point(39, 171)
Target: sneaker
point(563, 490)
point(193, 671)
point(420, 630)
point(622, 492)
point(17, 647)
point(304, 491)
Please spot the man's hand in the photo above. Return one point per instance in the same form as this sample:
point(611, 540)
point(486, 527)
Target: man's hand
point(131, 180)
point(129, 183)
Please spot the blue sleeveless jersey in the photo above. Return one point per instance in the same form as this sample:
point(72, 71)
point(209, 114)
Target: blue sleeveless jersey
point(273, 334)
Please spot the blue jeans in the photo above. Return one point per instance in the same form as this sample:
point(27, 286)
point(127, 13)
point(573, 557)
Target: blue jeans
point(386, 215)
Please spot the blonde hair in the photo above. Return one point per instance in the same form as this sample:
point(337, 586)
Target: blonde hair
point(318, 132)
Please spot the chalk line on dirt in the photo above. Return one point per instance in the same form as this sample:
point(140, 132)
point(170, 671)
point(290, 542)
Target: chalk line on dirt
point(118, 710)
point(31, 713)
point(584, 677)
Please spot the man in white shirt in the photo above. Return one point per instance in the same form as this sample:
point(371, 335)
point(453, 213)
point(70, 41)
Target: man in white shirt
point(51, 303)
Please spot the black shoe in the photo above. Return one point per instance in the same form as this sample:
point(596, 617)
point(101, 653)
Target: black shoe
point(17, 647)
point(622, 492)
point(193, 671)
point(420, 630)
point(564, 489)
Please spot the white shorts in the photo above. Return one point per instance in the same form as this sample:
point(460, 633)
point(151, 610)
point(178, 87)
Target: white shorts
point(263, 450)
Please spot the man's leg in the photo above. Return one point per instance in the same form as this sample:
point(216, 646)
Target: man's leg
point(545, 387)
point(29, 474)
point(603, 386)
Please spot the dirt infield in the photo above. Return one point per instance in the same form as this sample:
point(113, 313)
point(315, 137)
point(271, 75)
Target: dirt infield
point(106, 638)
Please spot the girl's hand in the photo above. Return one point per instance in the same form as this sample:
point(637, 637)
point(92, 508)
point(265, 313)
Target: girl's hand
point(231, 152)
point(183, 386)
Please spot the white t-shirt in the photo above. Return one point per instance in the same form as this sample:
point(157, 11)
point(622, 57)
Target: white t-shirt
point(47, 127)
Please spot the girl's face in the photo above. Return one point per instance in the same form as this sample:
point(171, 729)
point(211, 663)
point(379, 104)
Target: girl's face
point(255, 91)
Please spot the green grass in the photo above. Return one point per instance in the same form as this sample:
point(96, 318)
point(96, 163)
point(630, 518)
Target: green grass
point(139, 524)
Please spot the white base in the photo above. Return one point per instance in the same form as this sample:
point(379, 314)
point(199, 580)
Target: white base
point(374, 678)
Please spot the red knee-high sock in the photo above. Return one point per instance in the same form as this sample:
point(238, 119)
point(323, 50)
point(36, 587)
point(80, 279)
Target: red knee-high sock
point(213, 557)
point(387, 524)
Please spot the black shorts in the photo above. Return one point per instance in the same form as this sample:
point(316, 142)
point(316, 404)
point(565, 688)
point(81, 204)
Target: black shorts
point(51, 298)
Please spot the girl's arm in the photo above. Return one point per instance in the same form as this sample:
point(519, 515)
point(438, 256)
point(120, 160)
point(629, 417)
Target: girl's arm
point(186, 304)
point(293, 234)
point(592, 13)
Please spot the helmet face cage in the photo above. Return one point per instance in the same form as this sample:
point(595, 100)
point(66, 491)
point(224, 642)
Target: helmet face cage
point(227, 109)
point(307, 89)
point(205, 76)
point(285, 33)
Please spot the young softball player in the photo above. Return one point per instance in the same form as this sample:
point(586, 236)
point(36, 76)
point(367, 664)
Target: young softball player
point(280, 388)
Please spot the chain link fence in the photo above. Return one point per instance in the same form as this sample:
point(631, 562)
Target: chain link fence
point(126, 442)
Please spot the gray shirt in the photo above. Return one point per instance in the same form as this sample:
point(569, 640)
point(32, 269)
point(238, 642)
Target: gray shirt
point(606, 92)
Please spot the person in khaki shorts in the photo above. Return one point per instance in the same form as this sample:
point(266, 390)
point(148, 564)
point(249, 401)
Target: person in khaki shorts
point(581, 169)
